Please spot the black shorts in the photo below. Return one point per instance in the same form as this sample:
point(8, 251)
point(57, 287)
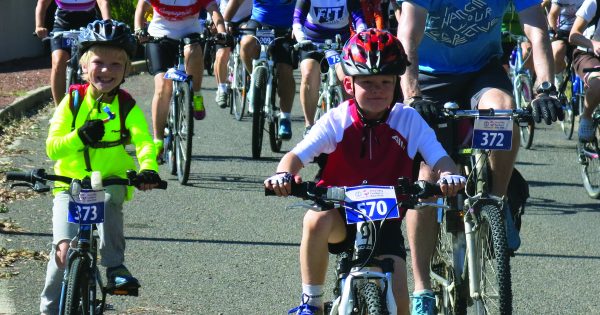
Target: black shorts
point(466, 89)
point(235, 26)
point(70, 20)
point(162, 54)
point(389, 242)
point(282, 50)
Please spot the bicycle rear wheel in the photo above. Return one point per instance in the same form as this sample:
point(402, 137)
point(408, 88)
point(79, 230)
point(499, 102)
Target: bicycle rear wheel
point(209, 57)
point(241, 82)
point(258, 117)
point(274, 139)
point(370, 299)
point(493, 261)
point(590, 168)
point(568, 123)
point(523, 101)
point(169, 140)
point(185, 130)
point(77, 297)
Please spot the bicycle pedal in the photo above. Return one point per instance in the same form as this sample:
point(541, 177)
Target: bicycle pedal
point(124, 291)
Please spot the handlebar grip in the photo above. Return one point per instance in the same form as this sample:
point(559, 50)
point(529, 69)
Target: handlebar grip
point(20, 176)
point(588, 70)
point(298, 190)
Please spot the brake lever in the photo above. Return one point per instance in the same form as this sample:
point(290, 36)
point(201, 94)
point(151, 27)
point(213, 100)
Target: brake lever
point(40, 187)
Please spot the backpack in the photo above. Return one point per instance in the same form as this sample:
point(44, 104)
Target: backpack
point(126, 103)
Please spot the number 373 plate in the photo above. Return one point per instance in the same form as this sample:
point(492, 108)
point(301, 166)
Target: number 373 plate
point(493, 133)
point(87, 207)
point(375, 202)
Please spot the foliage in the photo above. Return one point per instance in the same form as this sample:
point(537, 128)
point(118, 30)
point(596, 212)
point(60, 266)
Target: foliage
point(123, 10)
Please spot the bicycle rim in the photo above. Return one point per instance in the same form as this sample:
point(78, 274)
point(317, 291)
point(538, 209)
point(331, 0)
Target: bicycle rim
point(568, 123)
point(258, 117)
point(274, 139)
point(77, 297)
point(523, 101)
point(185, 131)
point(590, 169)
point(241, 82)
point(494, 264)
point(370, 299)
point(169, 144)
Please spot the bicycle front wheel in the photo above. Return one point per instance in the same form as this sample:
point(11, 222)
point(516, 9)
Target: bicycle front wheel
point(567, 100)
point(495, 287)
point(590, 168)
point(274, 139)
point(77, 297)
point(523, 100)
point(370, 299)
point(185, 130)
point(258, 117)
point(241, 82)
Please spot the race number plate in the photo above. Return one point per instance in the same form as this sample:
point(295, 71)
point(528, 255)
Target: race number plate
point(265, 37)
point(493, 133)
point(87, 208)
point(333, 57)
point(376, 202)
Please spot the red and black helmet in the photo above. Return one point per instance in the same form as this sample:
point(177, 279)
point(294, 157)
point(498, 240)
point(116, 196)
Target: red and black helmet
point(373, 52)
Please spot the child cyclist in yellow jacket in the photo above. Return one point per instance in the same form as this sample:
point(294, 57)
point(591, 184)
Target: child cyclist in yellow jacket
point(83, 138)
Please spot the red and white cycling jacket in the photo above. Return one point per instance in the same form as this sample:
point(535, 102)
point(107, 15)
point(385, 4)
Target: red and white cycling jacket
point(76, 5)
point(379, 154)
point(176, 10)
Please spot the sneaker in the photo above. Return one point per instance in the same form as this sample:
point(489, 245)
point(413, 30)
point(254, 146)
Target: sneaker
point(512, 234)
point(120, 277)
point(304, 309)
point(285, 129)
point(160, 150)
point(423, 303)
point(199, 110)
point(222, 98)
point(586, 129)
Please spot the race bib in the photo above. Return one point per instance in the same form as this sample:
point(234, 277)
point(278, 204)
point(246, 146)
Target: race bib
point(369, 202)
point(265, 37)
point(333, 57)
point(493, 133)
point(87, 207)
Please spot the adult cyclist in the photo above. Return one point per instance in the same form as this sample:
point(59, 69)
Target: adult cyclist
point(560, 21)
point(70, 15)
point(278, 15)
point(316, 21)
point(458, 60)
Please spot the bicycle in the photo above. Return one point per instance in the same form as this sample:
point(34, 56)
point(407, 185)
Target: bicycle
point(589, 154)
point(82, 281)
point(209, 50)
point(364, 283)
point(522, 87)
point(179, 130)
point(571, 94)
point(73, 70)
point(471, 262)
point(239, 79)
point(263, 83)
point(330, 91)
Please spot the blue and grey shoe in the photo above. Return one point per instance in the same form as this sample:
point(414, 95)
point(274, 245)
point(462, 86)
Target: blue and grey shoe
point(423, 303)
point(285, 129)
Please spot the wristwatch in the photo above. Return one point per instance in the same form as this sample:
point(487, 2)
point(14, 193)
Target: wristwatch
point(545, 87)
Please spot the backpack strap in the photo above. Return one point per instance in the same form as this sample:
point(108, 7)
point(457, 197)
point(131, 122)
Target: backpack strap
point(126, 104)
point(77, 94)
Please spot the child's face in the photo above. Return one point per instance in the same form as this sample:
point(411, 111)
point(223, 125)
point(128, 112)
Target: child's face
point(373, 93)
point(105, 69)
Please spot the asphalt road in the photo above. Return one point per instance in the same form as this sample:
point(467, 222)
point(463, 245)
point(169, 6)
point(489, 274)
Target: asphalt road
point(218, 246)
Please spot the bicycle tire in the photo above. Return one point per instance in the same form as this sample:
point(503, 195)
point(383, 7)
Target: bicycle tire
point(493, 259)
point(370, 299)
point(523, 100)
point(590, 171)
point(568, 124)
point(209, 58)
point(321, 104)
point(442, 264)
point(258, 117)
point(185, 130)
point(77, 296)
point(274, 140)
point(238, 93)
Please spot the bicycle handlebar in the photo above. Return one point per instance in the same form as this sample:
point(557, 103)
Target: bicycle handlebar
point(588, 70)
point(36, 179)
point(451, 111)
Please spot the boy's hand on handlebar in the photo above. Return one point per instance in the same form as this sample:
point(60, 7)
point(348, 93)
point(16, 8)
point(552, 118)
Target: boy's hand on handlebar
point(451, 184)
point(148, 179)
point(281, 183)
point(41, 32)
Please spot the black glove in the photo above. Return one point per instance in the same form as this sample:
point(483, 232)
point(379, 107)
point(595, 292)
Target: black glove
point(91, 132)
point(427, 109)
point(148, 177)
point(546, 105)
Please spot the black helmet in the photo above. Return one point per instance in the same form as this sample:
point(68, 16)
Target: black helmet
point(110, 33)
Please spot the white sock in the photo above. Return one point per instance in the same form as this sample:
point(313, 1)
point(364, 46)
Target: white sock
point(283, 115)
point(420, 292)
point(223, 87)
point(315, 294)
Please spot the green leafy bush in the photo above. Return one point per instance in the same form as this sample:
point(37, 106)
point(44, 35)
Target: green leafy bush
point(123, 10)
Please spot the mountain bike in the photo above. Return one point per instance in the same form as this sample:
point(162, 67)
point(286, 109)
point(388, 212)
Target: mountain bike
point(571, 95)
point(330, 91)
point(239, 79)
point(82, 281)
point(589, 155)
point(522, 87)
point(364, 283)
point(69, 39)
point(471, 262)
point(179, 130)
point(263, 83)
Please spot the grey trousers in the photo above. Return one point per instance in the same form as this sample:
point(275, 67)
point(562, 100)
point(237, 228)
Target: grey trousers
point(111, 245)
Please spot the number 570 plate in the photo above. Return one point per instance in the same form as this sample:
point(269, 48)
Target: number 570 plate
point(493, 133)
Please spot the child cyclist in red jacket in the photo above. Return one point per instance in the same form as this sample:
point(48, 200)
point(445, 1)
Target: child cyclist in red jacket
point(369, 137)
point(82, 138)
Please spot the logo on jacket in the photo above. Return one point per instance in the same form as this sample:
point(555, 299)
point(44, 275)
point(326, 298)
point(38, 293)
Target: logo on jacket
point(328, 14)
point(399, 141)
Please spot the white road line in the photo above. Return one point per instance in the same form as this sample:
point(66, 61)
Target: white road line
point(7, 307)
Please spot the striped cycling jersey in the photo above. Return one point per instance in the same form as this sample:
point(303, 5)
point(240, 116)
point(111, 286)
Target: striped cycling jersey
point(379, 154)
point(323, 19)
point(76, 5)
point(177, 10)
point(176, 18)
